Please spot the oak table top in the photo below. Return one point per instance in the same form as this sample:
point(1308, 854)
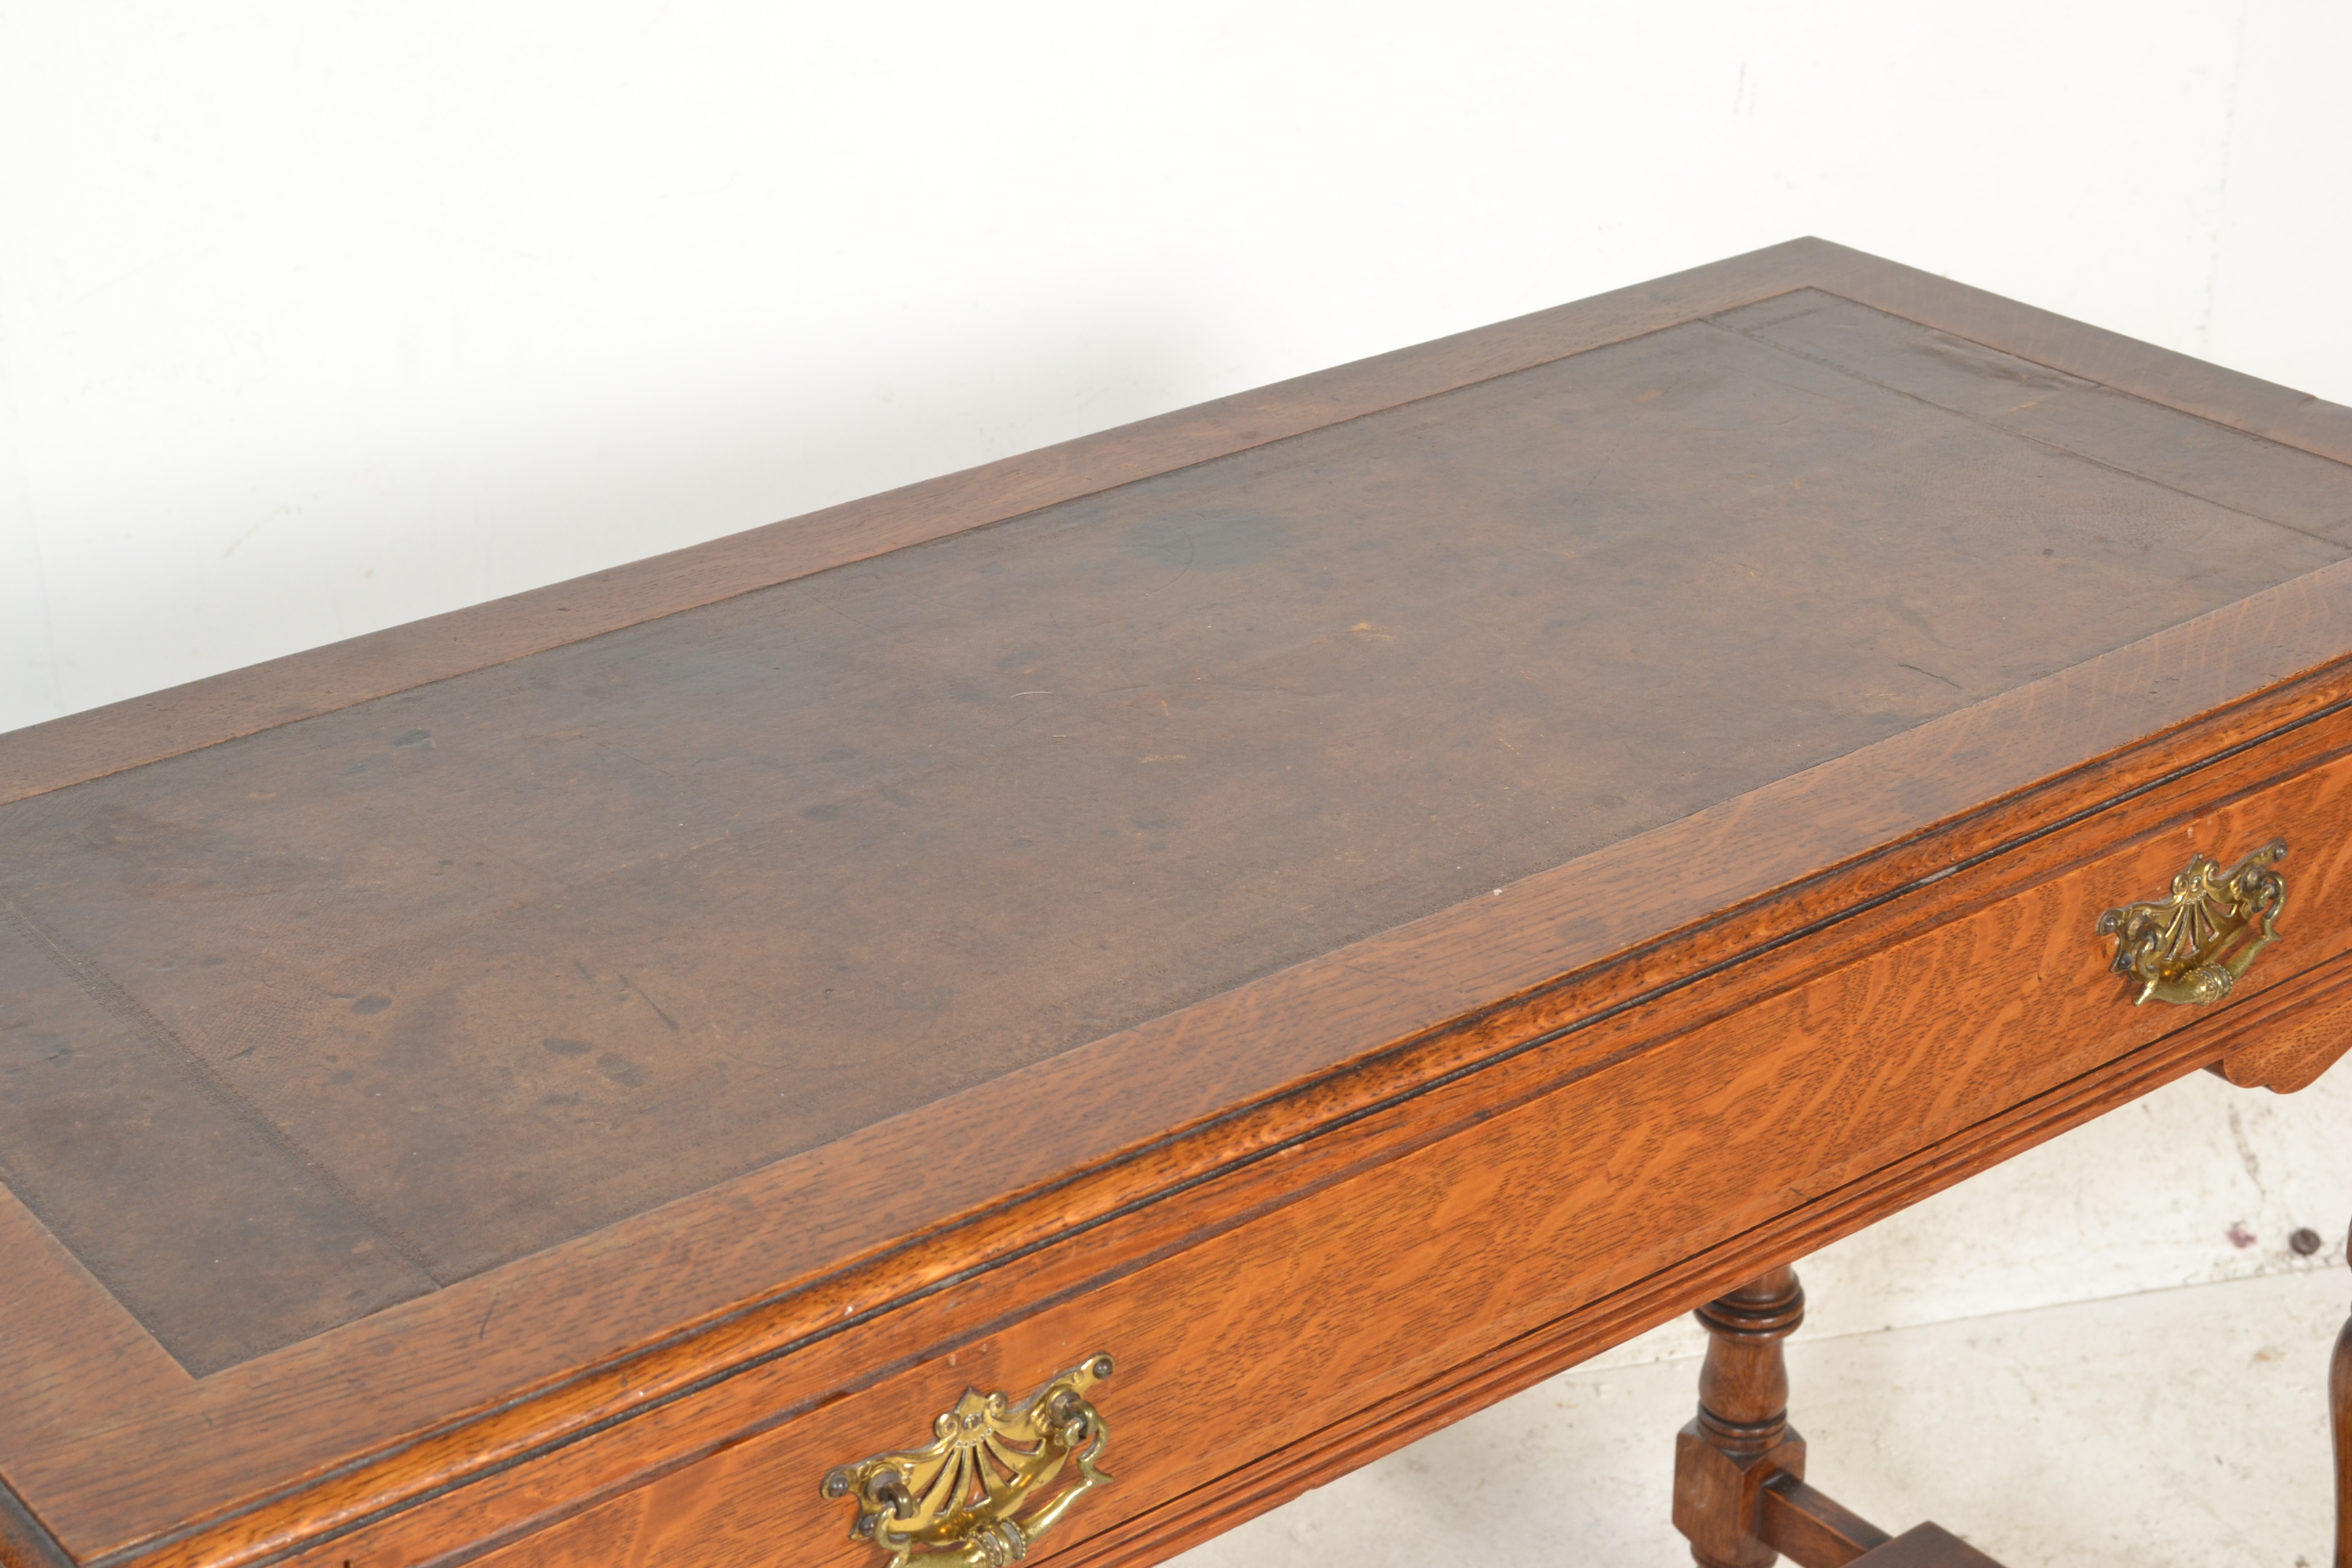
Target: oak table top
point(403, 1036)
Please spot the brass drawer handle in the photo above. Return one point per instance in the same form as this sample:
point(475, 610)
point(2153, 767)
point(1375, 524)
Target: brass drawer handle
point(951, 1504)
point(2193, 946)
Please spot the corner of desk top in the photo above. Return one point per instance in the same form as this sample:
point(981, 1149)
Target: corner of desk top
point(25, 1540)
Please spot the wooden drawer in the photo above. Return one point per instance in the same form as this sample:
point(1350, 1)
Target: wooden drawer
point(1346, 1304)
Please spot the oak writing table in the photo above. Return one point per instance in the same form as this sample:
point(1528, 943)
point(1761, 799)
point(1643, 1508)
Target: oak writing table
point(1341, 902)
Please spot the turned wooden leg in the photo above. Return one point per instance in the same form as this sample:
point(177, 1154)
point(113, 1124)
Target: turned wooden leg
point(1739, 1467)
point(1741, 1437)
point(2340, 1400)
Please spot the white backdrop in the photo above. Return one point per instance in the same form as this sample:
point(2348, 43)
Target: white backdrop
point(318, 319)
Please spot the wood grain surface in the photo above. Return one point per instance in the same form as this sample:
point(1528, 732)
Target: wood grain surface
point(1813, 1528)
point(742, 1508)
point(1170, 1526)
point(1428, 1118)
point(2293, 1055)
point(1610, 1153)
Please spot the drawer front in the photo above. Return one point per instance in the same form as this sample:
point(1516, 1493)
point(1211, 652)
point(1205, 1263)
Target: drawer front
point(1313, 1312)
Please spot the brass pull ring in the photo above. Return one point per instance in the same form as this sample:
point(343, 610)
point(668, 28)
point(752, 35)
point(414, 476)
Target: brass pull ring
point(952, 1503)
point(2193, 946)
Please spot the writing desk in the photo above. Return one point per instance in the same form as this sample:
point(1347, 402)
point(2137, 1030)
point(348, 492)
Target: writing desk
point(1343, 900)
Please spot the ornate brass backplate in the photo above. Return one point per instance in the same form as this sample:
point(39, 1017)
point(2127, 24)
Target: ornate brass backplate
point(952, 1503)
point(2193, 946)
